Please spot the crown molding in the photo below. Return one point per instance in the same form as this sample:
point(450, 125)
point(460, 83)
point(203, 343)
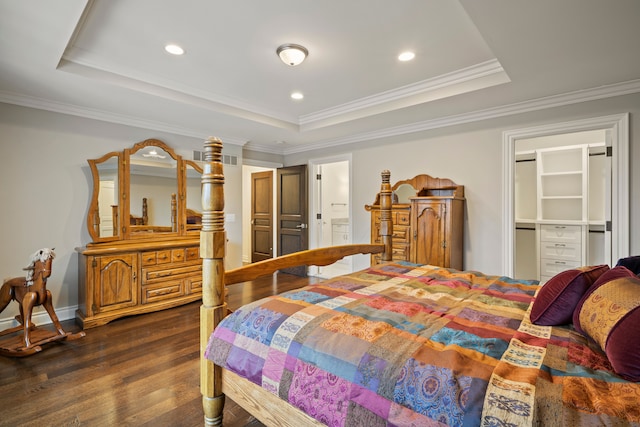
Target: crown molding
point(576, 97)
point(105, 116)
point(601, 92)
point(485, 74)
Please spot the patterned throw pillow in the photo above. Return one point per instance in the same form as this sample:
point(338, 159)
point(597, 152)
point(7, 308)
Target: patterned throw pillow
point(609, 313)
point(557, 299)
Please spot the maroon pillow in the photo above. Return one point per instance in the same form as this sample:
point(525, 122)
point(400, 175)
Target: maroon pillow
point(609, 313)
point(557, 299)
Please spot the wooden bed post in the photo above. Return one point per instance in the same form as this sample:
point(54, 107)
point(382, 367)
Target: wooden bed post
point(386, 225)
point(212, 248)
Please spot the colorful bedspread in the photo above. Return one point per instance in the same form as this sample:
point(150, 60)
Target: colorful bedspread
point(401, 344)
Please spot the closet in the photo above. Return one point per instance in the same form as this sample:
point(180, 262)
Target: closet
point(560, 204)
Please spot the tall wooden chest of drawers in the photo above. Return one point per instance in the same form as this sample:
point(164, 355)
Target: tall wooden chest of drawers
point(428, 222)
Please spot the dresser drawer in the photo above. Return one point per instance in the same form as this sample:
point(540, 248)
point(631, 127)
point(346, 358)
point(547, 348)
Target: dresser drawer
point(561, 233)
point(163, 291)
point(551, 267)
point(561, 251)
point(194, 285)
point(400, 234)
point(156, 257)
point(402, 218)
point(193, 253)
point(177, 255)
point(168, 273)
point(398, 253)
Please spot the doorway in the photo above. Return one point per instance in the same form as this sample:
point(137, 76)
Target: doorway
point(331, 210)
point(616, 128)
point(249, 168)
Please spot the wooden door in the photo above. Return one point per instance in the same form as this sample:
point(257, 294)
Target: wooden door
point(292, 214)
point(428, 219)
point(261, 216)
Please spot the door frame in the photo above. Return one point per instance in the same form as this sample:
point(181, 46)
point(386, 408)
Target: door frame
point(314, 199)
point(246, 204)
point(618, 126)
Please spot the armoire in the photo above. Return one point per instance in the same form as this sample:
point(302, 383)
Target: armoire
point(428, 222)
point(560, 205)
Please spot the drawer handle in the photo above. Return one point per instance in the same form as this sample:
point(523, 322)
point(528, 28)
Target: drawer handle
point(561, 226)
point(560, 262)
point(560, 245)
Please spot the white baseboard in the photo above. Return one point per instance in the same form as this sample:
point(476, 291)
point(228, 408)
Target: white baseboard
point(41, 317)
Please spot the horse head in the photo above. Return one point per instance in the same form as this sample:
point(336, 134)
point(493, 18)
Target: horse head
point(40, 264)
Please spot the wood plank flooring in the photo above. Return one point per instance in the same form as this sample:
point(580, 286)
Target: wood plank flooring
point(137, 371)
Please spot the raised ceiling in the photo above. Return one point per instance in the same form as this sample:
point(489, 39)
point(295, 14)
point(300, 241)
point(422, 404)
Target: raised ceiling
point(105, 59)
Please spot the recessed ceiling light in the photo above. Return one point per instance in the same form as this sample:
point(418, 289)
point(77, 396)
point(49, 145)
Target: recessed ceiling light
point(406, 56)
point(297, 95)
point(174, 49)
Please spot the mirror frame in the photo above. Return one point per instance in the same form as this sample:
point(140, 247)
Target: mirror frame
point(93, 216)
point(123, 198)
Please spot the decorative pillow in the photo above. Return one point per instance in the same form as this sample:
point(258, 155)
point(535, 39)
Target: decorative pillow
point(557, 299)
point(609, 313)
point(632, 263)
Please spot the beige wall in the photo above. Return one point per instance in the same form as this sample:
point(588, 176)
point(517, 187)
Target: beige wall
point(45, 182)
point(471, 155)
point(45, 186)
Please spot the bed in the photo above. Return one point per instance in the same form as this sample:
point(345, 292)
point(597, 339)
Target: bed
point(408, 344)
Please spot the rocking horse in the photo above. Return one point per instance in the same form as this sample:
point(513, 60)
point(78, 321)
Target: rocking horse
point(29, 292)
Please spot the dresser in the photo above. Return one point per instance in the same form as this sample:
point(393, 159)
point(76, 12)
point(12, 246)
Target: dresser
point(144, 225)
point(428, 222)
point(134, 278)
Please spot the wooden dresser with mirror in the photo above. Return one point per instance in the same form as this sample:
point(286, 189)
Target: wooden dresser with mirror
point(144, 223)
point(428, 221)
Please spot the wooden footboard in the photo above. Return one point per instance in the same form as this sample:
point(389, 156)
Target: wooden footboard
point(265, 406)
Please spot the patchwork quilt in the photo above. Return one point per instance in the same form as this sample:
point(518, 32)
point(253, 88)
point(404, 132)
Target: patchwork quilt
point(400, 344)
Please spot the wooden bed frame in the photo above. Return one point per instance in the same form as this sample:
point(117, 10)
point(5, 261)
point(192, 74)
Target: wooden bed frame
point(215, 382)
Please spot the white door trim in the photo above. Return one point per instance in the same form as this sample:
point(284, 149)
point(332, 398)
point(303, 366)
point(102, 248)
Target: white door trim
point(618, 124)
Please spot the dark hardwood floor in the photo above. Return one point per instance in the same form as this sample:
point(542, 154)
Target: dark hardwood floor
point(137, 371)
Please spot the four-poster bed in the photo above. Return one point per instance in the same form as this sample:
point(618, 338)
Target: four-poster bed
point(408, 344)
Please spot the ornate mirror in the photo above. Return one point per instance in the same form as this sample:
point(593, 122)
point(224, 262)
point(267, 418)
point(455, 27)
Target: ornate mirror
point(144, 192)
point(153, 189)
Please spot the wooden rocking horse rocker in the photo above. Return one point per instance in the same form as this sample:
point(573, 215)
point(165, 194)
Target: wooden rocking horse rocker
point(29, 292)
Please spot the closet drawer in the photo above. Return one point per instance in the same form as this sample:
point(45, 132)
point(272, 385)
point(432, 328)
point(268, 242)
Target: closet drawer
point(551, 267)
point(561, 233)
point(561, 251)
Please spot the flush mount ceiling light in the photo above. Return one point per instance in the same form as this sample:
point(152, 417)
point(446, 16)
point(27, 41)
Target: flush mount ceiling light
point(292, 54)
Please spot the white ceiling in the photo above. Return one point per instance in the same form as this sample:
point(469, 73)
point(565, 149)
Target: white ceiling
point(475, 59)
